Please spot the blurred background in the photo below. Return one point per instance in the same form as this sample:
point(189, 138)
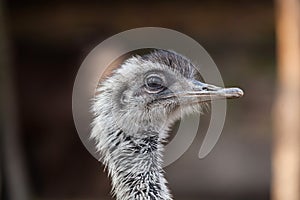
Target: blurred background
point(42, 46)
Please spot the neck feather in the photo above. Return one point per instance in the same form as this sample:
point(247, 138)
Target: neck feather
point(135, 166)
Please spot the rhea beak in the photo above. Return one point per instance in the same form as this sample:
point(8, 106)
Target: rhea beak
point(198, 92)
point(194, 91)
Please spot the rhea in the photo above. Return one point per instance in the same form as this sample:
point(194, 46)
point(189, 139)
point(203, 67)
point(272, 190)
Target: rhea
point(133, 110)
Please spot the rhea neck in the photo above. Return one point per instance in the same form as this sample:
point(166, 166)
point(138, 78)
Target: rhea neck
point(134, 162)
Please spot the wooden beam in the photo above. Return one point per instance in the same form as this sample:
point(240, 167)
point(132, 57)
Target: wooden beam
point(286, 149)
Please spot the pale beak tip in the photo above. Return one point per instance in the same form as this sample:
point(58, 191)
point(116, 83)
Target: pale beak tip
point(234, 92)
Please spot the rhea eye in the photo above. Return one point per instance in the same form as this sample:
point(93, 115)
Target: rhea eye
point(154, 83)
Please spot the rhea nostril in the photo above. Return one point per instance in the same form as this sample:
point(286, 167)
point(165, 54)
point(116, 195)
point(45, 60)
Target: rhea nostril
point(205, 88)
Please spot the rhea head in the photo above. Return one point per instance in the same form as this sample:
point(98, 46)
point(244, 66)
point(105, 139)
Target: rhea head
point(148, 93)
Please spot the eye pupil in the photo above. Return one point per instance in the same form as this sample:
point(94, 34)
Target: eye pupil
point(154, 83)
